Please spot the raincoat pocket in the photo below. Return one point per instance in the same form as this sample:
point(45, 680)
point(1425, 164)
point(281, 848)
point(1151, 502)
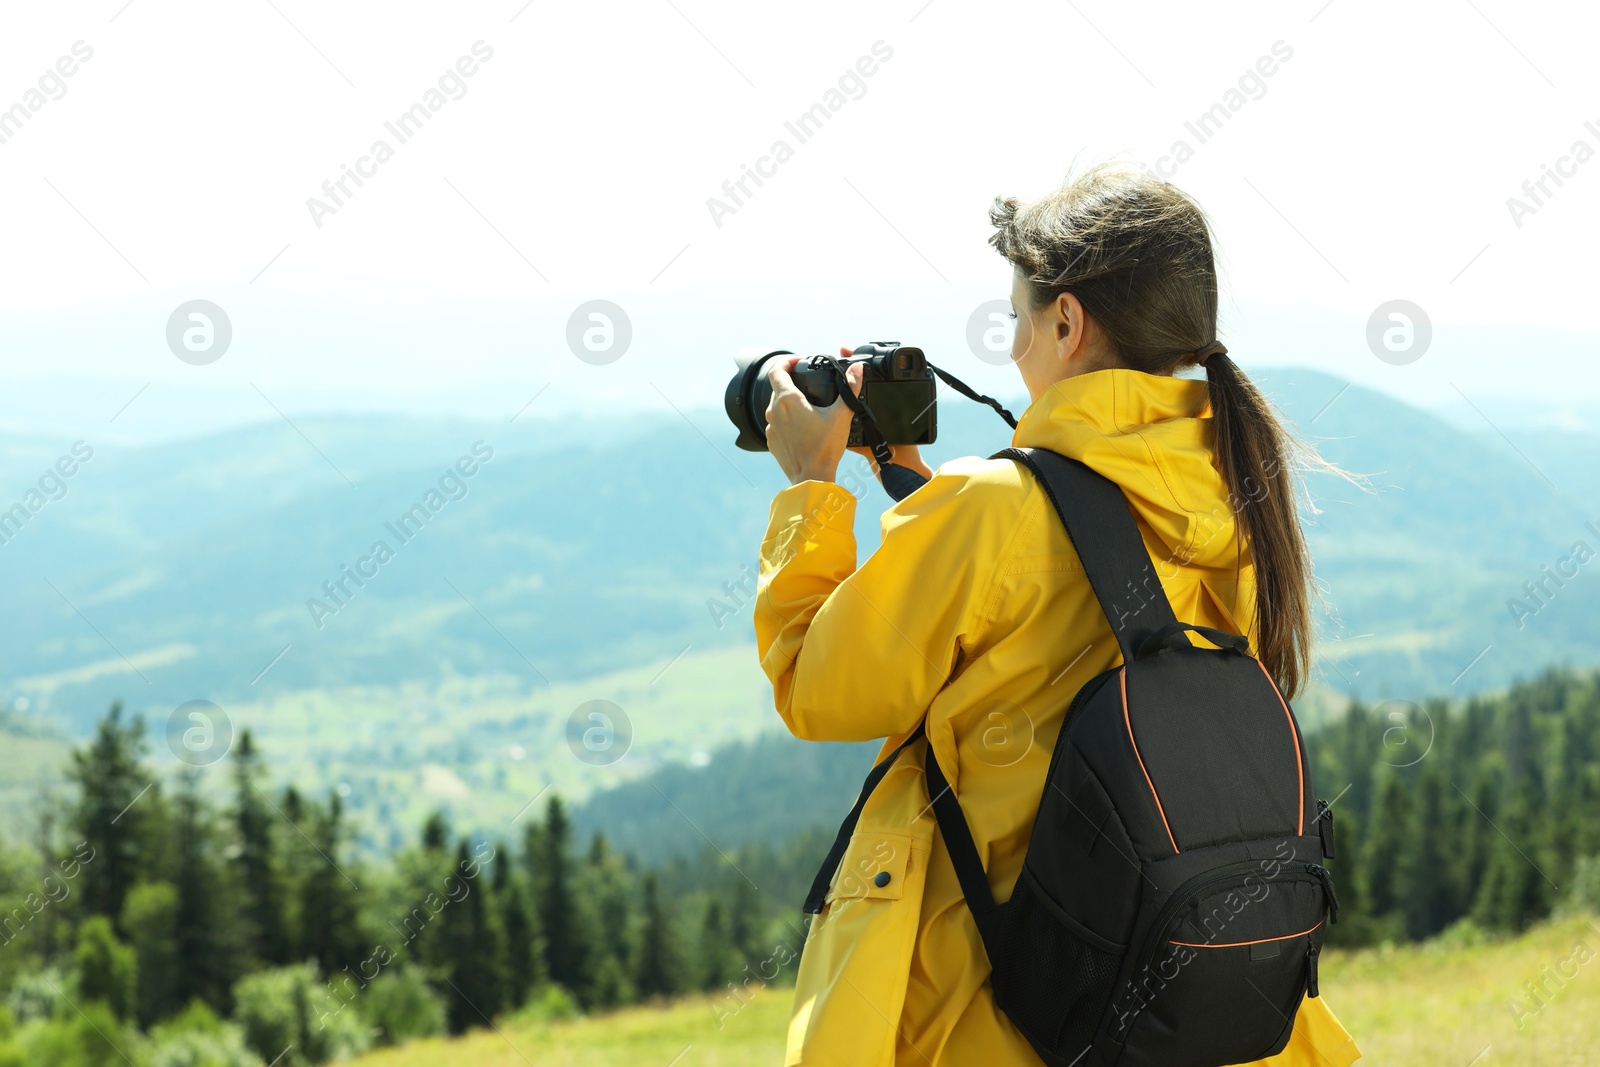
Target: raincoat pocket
point(852, 979)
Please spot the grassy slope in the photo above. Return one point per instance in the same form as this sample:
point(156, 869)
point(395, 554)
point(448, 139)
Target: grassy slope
point(1421, 1006)
point(1436, 1006)
point(685, 1034)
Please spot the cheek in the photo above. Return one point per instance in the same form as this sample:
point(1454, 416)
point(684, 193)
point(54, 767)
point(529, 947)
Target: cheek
point(1021, 338)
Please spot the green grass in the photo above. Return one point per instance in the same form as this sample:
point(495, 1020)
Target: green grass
point(1437, 1005)
point(1434, 1005)
point(695, 1032)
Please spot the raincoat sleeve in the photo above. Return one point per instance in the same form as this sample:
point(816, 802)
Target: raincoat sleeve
point(859, 653)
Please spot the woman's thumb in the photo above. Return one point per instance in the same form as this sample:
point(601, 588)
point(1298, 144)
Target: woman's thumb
point(854, 375)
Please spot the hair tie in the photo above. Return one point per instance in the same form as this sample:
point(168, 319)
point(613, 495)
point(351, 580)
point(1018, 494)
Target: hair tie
point(1205, 352)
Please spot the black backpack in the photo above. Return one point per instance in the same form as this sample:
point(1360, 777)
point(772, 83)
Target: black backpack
point(1171, 903)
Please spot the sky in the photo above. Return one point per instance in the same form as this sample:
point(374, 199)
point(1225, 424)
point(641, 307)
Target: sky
point(1370, 153)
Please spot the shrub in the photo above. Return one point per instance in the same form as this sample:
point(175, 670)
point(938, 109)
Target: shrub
point(94, 1038)
point(195, 1037)
point(10, 1051)
point(401, 1006)
point(37, 995)
point(106, 968)
point(549, 1003)
point(1585, 896)
point(150, 919)
point(289, 1006)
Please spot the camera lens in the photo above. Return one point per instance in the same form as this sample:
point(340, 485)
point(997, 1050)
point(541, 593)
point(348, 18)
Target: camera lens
point(748, 395)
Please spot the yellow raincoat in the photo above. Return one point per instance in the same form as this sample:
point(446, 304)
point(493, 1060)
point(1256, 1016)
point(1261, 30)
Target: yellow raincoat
point(974, 608)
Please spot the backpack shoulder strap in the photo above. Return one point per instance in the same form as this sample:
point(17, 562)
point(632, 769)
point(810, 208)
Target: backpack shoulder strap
point(1102, 529)
point(817, 898)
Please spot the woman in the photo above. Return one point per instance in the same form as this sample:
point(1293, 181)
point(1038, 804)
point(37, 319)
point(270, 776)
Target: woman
point(976, 613)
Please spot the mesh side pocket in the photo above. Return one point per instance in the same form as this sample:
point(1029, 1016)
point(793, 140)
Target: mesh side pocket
point(1051, 983)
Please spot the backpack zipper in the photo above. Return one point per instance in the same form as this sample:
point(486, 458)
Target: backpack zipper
point(1327, 889)
point(1196, 887)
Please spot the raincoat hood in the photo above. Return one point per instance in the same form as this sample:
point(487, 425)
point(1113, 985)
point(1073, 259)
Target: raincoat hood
point(1153, 435)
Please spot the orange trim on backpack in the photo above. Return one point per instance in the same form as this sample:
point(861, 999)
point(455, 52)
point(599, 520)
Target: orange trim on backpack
point(1299, 761)
point(1123, 675)
point(1239, 944)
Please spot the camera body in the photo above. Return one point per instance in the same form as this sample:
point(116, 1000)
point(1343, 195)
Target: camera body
point(896, 386)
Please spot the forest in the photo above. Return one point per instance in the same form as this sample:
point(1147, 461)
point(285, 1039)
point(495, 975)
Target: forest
point(199, 922)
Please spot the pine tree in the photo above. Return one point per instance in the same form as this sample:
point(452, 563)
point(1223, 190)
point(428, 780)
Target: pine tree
point(436, 833)
point(1478, 835)
point(1388, 840)
point(548, 854)
point(1475, 730)
point(260, 872)
point(1425, 882)
point(744, 925)
point(658, 972)
point(424, 873)
point(524, 941)
point(1574, 833)
point(1582, 805)
point(1514, 891)
point(605, 917)
point(473, 946)
point(718, 963)
point(298, 857)
point(208, 943)
point(330, 918)
point(116, 797)
point(1355, 927)
point(1523, 766)
point(1355, 739)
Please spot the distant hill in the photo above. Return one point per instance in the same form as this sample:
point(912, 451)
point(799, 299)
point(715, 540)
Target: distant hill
point(1419, 572)
point(770, 790)
point(580, 549)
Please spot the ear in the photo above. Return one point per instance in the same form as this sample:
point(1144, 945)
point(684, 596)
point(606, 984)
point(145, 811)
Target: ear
point(1070, 324)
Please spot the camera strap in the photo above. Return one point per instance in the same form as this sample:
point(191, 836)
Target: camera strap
point(900, 481)
point(972, 394)
point(869, 422)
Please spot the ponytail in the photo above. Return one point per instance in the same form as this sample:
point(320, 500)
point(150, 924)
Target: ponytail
point(1252, 449)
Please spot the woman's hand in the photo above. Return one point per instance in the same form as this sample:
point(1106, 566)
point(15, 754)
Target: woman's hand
point(807, 441)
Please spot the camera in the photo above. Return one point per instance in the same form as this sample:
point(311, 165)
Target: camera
point(897, 386)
